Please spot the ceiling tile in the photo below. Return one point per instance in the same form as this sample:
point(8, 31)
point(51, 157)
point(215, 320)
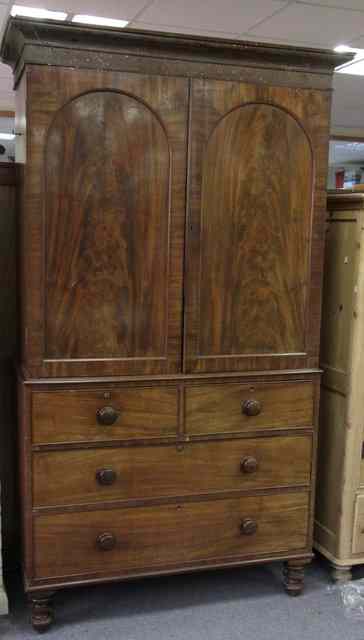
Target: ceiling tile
point(6, 84)
point(348, 97)
point(196, 32)
point(311, 23)
point(5, 71)
point(119, 9)
point(358, 43)
point(343, 117)
point(336, 4)
point(7, 100)
point(232, 16)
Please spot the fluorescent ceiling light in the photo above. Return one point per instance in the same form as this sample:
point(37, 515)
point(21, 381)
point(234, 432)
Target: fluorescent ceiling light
point(7, 136)
point(105, 22)
point(351, 67)
point(33, 12)
point(343, 48)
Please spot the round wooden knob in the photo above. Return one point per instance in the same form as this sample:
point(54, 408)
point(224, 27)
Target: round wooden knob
point(107, 415)
point(106, 541)
point(248, 527)
point(105, 476)
point(251, 407)
point(249, 465)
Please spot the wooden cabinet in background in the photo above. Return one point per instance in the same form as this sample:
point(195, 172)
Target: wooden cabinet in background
point(9, 507)
point(339, 530)
point(171, 238)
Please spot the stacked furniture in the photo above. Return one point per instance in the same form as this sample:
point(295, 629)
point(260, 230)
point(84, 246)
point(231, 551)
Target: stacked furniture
point(339, 526)
point(172, 228)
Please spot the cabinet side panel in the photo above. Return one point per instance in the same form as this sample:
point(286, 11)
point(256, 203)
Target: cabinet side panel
point(330, 470)
point(340, 429)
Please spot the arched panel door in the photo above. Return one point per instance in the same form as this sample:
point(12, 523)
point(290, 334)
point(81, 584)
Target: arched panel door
point(249, 235)
point(113, 272)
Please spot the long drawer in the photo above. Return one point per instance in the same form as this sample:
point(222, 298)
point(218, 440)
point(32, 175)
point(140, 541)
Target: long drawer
point(127, 413)
point(89, 475)
point(119, 541)
point(221, 408)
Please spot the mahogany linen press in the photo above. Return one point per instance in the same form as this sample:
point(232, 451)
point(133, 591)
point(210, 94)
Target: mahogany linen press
point(171, 227)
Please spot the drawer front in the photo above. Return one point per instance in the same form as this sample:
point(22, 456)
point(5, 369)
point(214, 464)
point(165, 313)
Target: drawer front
point(73, 416)
point(239, 407)
point(126, 540)
point(75, 477)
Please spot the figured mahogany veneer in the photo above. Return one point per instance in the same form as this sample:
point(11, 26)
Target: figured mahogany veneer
point(224, 408)
point(113, 226)
point(172, 217)
point(193, 468)
point(264, 305)
point(66, 544)
point(252, 260)
point(72, 416)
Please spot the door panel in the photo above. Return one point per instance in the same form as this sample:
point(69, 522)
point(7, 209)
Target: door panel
point(107, 229)
point(249, 267)
point(114, 209)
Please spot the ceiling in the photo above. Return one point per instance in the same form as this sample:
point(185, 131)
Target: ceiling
point(313, 23)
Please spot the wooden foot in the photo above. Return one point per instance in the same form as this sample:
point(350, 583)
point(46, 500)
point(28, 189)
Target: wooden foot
point(341, 574)
point(293, 576)
point(42, 614)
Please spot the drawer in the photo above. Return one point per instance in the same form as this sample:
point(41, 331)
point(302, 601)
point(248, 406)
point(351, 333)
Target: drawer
point(122, 541)
point(233, 407)
point(75, 477)
point(72, 416)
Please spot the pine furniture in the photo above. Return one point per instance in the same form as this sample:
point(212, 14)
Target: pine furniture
point(339, 517)
point(171, 234)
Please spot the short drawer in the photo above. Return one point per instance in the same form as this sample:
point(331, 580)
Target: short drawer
point(122, 541)
point(222, 408)
point(74, 415)
point(76, 477)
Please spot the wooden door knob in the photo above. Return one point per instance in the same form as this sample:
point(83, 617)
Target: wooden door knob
point(251, 407)
point(105, 476)
point(106, 541)
point(248, 527)
point(107, 415)
point(249, 465)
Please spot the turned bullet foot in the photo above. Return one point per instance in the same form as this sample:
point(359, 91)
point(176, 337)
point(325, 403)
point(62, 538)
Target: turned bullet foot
point(294, 576)
point(340, 575)
point(42, 614)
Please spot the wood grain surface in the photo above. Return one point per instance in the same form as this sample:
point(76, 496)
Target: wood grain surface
point(142, 473)
point(107, 165)
point(71, 416)
point(255, 225)
point(218, 408)
point(104, 271)
point(338, 532)
point(65, 544)
point(171, 240)
point(252, 276)
point(8, 352)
